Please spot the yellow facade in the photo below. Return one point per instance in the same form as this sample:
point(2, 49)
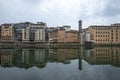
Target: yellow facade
point(105, 34)
point(57, 36)
point(7, 33)
point(63, 36)
point(71, 37)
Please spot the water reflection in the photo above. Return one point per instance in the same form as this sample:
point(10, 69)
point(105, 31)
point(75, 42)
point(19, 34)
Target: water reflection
point(26, 58)
point(103, 56)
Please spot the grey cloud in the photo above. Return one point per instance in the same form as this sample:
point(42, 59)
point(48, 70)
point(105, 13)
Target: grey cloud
point(54, 13)
point(112, 8)
point(31, 2)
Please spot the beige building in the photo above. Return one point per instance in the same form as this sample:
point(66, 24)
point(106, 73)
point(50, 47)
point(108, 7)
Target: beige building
point(57, 36)
point(105, 34)
point(7, 33)
point(71, 36)
point(62, 36)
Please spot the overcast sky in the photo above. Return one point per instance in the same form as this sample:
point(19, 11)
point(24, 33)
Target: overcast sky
point(61, 12)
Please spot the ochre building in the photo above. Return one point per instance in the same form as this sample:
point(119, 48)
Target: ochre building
point(7, 33)
point(105, 34)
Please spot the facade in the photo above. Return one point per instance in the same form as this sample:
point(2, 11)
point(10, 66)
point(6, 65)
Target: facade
point(66, 27)
point(57, 36)
point(62, 36)
point(7, 33)
point(86, 37)
point(39, 35)
point(105, 34)
point(38, 32)
point(42, 24)
point(34, 32)
point(25, 34)
point(71, 36)
point(82, 38)
point(47, 31)
point(0, 33)
point(18, 30)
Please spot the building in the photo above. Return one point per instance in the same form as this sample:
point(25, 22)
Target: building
point(34, 32)
point(66, 27)
point(52, 29)
point(7, 33)
point(57, 36)
point(104, 34)
point(18, 30)
point(86, 37)
point(0, 33)
point(71, 36)
point(47, 31)
point(26, 34)
point(62, 36)
point(42, 24)
point(39, 34)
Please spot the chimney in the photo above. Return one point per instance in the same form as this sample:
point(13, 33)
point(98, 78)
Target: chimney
point(79, 31)
point(80, 26)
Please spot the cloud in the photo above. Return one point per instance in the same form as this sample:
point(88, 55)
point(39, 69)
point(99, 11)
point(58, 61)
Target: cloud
point(60, 12)
point(111, 8)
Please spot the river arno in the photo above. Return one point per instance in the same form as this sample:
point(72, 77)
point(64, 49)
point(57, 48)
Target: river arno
point(99, 63)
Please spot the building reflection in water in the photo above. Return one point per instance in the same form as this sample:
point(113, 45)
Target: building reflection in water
point(26, 58)
point(103, 56)
point(62, 55)
point(6, 57)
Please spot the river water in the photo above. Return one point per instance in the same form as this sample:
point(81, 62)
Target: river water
point(99, 63)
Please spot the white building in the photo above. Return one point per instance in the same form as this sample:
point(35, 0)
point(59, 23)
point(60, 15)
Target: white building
point(39, 35)
point(85, 36)
point(34, 33)
point(25, 34)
